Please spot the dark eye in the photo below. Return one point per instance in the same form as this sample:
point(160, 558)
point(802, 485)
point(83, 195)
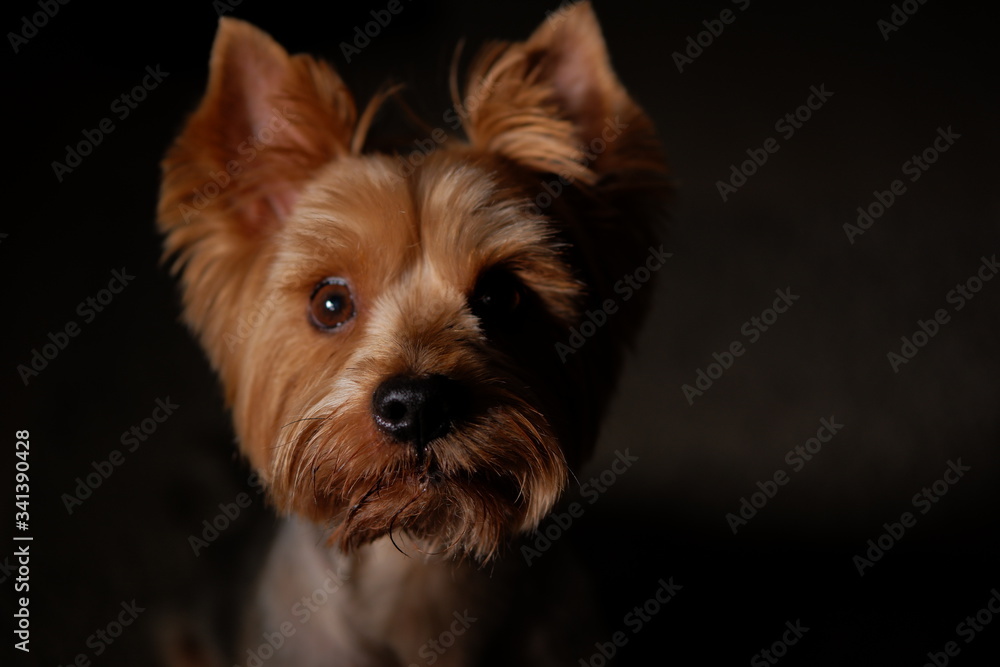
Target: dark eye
point(331, 304)
point(496, 297)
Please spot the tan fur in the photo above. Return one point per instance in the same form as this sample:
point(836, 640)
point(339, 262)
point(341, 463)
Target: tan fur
point(300, 201)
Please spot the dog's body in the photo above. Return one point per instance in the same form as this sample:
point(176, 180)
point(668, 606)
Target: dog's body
point(394, 332)
point(379, 607)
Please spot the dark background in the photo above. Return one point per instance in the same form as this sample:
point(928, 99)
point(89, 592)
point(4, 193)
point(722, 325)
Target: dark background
point(665, 517)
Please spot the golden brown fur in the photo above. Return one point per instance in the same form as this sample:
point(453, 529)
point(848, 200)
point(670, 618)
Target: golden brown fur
point(296, 200)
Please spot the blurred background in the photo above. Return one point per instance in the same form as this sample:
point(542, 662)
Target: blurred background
point(64, 235)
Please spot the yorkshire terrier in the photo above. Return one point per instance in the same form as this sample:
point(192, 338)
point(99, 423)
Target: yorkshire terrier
point(398, 333)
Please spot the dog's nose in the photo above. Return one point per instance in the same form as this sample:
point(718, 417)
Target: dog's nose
point(416, 410)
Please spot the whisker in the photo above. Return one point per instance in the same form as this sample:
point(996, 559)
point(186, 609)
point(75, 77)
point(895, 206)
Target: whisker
point(305, 419)
point(392, 522)
point(357, 506)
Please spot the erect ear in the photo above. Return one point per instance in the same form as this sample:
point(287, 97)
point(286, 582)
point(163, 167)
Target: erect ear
point(554, 104)
point(266, 123)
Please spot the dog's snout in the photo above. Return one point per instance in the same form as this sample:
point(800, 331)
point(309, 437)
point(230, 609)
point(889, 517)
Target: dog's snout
point(416, 410)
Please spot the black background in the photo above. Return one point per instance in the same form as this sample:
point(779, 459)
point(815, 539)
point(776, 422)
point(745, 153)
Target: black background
point(666, 516)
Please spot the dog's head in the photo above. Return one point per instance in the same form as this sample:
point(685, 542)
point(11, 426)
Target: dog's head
point(386, 325)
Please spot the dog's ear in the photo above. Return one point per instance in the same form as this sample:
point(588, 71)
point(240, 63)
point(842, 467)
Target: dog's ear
point(554, 104)
point(266, 123)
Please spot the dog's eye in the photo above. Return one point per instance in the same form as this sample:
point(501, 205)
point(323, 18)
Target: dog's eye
point(496, 296)
point(331, 304)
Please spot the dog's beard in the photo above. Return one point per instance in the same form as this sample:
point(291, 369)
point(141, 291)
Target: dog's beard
point(493, 475)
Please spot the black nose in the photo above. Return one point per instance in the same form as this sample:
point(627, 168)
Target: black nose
point(416, 410)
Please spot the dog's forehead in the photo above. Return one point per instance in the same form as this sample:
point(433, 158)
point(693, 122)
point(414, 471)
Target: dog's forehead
point(362, 215)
